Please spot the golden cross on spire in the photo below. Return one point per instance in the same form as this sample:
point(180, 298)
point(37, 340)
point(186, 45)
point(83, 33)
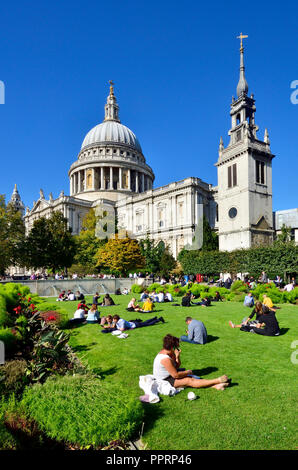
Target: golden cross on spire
point(111, 87)
point(242, 36)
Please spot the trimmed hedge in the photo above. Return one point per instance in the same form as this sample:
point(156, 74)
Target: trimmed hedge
point(83, 410)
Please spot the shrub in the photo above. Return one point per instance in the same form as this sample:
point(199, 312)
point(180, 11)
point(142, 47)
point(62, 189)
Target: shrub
point(13, 377)
point(9, 339)
point(83, 410)
point(153, 287)
point(5, 320)
point(137, 289)
point(239, 286)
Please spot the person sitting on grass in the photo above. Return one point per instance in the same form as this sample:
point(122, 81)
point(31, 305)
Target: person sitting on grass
point(186, 300)
point(133, 307)
point(62, 297)
point(144, 295)
point(217, 297)
point(248, 323)
point(196, 333)
point(268, 325)
point(93, 314)
point(267, 301)
point(107, 301)
point(83, 306)
point(148, 306)
point(123, 325)
point(168, 297)
point(80, 296)
point(78, 317)
point(166, 367)
point(248, 300)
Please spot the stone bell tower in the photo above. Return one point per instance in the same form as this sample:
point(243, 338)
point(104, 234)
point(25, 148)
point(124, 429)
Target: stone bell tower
point(244, 169)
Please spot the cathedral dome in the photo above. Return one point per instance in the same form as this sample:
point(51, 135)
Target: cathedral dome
point(111, 132)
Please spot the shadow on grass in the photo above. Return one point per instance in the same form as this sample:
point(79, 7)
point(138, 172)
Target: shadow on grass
point(211, 338)
point(104, 373)
point(151, 415)
point(283, 331)
point(84, 347)
point(205, 371)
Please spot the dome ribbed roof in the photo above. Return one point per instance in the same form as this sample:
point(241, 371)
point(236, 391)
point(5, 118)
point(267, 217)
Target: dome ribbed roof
point(111, 132)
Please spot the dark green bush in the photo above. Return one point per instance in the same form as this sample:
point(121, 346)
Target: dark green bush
point(9, 340)
point(83, 410)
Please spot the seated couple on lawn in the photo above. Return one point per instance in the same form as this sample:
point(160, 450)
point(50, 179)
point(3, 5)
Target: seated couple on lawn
point(166, 366)
point(187, 301)
point(147, 306)
point(122, 325)
point(82, 316)
point(265, 323)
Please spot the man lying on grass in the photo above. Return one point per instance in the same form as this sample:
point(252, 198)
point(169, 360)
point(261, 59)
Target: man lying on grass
point(123, 325)
point(166, 367)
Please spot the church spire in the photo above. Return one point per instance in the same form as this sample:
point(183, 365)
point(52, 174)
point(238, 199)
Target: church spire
point(242, 87)
point(111, 108)
point(16, 200)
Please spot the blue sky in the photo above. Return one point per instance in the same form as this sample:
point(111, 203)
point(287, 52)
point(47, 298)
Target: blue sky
point(175, 66)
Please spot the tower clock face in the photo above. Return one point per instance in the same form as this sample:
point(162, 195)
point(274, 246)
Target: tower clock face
point(232, 212)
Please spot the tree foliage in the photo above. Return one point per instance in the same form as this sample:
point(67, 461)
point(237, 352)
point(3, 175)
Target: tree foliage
point(119, 256)
point(152, 252)
point(87, 244)
point(12, 236)
point(276, 259)
point(50, 244)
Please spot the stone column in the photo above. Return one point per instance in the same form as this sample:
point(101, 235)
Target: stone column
point(85, 180)
point(174, 212)
point(101, 179)
point(120, 178)
point(137, 181)
point(93, 179)
point(143, 183)
point(111, 178)
point(129, 185)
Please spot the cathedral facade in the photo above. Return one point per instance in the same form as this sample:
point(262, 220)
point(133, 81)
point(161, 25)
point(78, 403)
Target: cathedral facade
point(111, 171)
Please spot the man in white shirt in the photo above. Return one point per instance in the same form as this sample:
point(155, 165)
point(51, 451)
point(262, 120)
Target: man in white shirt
point(161, 297)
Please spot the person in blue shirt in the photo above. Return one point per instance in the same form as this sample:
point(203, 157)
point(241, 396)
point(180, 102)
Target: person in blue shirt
point(249, 300)
point(196, 333)
point(93, 314)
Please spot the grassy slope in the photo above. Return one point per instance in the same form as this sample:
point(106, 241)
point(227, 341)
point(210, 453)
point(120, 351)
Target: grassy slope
point(257, 412)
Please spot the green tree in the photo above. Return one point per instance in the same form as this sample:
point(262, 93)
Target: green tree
point(210, 237)
point(167, 263)
point(50, 244)
point(12, 236)
point(87, 245)
point(285, 235)
point(152, 252)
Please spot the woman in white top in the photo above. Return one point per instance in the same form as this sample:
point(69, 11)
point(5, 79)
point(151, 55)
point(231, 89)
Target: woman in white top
point(167, 362)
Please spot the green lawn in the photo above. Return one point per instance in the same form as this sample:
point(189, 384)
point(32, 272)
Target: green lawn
point(257, 412)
